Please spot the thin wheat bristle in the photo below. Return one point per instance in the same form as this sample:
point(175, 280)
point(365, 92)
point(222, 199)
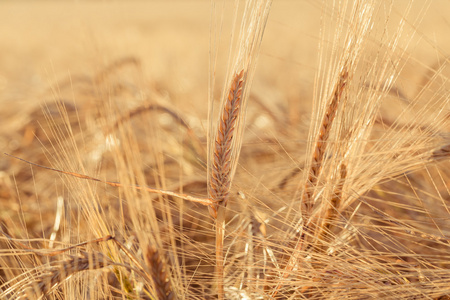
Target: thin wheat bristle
point(158, 273)
point(220, 182)
point(57, 273)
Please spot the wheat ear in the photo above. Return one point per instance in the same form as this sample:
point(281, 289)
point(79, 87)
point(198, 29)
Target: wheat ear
point(158, 273)
point(321, 143)
point(220, 180)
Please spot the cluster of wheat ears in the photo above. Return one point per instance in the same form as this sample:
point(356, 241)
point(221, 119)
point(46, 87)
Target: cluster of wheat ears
point(359, 214)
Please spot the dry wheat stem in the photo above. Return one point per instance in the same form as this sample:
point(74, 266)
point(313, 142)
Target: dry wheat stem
point(159, 274)
point(225, 145)
point(220, 261)
point(149, 108)
point(204, 201)
point(220, 180)
point(158, 107)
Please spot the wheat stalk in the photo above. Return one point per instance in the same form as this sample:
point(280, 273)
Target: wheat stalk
point(221, 173)
point(225, 145)
point(50, 277)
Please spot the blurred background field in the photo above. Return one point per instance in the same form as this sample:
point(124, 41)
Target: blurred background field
point(131, 53)
point(46, 42)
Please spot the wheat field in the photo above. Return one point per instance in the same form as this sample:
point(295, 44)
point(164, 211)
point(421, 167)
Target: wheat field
point(250, 149)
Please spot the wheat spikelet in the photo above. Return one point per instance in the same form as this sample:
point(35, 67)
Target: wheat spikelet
point(220, 181)
point(57, 273)
point(159, 274)
point(226, 137)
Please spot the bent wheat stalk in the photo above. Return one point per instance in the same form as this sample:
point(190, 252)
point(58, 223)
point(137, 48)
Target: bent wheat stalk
point(204, 201)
